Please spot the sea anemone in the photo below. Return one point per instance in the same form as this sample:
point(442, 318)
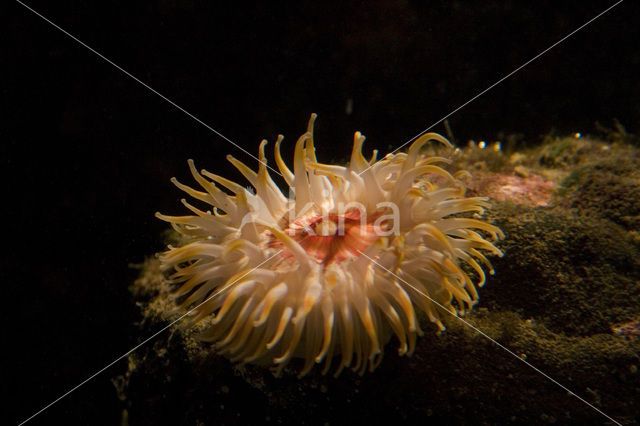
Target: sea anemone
point(348, 259)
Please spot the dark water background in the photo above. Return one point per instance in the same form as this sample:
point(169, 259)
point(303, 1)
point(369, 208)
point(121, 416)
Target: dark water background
point(87, 152)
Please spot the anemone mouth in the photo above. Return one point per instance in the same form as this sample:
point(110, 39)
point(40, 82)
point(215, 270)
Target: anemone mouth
point(332, 238)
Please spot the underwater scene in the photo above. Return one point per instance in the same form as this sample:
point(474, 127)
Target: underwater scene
point(316, 213)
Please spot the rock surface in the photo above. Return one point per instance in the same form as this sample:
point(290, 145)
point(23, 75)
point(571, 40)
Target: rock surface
point(563, 306)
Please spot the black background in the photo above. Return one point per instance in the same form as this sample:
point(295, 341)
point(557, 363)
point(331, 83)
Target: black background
point(87, 152)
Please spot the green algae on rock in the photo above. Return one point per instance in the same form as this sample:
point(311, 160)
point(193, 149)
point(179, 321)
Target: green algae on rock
point(569, 280)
